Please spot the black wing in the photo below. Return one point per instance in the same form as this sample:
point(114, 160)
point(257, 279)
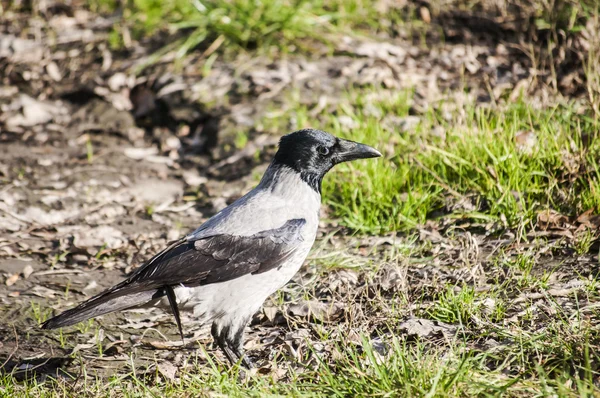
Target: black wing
point(197, 262)
point(219, 258)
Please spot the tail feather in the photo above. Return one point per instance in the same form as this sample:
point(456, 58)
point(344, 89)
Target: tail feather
point(102, 304)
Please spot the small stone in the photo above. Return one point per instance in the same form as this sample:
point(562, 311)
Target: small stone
point(27, 271)
point(53, 71)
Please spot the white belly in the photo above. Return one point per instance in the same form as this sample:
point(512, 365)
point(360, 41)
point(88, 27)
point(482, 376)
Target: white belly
point(238, 298)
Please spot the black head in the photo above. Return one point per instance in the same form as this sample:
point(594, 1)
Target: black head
point(312, 153)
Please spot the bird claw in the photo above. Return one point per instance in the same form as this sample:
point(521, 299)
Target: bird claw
point(236, 357)
point(247, 362)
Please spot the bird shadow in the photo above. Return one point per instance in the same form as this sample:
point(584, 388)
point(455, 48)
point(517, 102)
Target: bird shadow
point(36, 369)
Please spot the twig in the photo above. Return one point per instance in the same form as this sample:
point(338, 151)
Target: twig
point(58, 272)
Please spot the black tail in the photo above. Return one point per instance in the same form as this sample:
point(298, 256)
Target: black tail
point(101, 304)
point(138, 289)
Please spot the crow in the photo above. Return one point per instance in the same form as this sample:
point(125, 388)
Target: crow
point(225, 270)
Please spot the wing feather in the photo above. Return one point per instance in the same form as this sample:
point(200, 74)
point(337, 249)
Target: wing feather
point(218, 258)
point(186, 262)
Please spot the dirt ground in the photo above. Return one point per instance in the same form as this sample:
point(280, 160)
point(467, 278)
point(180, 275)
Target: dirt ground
point(100, 168)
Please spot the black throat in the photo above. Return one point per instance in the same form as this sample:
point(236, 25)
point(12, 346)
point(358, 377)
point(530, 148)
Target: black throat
point(312, 179)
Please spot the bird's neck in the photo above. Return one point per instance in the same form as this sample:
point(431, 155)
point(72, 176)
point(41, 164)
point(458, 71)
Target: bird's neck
point(280, 178)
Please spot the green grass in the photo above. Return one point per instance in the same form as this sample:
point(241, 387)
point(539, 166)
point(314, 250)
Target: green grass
point(467, 168)
point(407, 369)
point(459, 169)
point(234, 25)
point(455, 307)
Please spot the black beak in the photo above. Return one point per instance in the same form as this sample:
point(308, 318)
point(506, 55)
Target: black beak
point(350, 150)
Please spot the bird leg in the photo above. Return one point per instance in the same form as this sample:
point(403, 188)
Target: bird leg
point(231, 341)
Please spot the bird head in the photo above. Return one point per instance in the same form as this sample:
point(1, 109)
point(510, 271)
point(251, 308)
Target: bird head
point(312, 153)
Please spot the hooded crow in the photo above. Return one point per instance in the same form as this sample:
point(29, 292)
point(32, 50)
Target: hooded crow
point(224, 270)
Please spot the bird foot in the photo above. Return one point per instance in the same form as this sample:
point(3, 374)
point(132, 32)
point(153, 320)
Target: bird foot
point(247, 362)
point(235, 357)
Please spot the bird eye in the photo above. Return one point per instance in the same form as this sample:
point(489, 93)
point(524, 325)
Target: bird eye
point(323, 150)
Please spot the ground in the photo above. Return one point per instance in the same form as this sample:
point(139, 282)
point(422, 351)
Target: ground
point(462, 263)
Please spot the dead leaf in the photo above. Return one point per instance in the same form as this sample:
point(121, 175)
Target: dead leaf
point(295, 342)
point(11, 280)
point(551, 219)
point(164, 345)
point(378, 50)
point(392, 278)
point(90, 286)
point(41, 291)
point(27, 271)
point(140, 153)
point(20, 50)
point(117, 81)
point(193, 178)
point(417, 327)
point(33, 112)
point(526, 141)
point(316, 309)
point(425, 14)
point(589, 219)
point(270, 313)
point(80, 347)
point(138, 325)
point(168, 370)
point(91, 239)
point(148, 191)
point(53, 71)
point(53, 217)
